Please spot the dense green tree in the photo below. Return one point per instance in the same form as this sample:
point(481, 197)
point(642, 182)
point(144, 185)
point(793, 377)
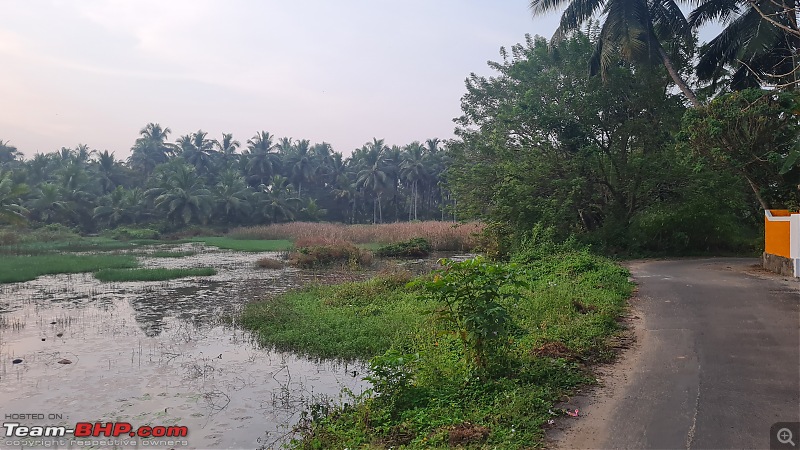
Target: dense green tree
point(543, 143)
point(752, 133)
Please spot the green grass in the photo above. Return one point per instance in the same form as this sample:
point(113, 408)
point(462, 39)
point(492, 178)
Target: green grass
point(426, 391)
point(169, 254)
point(151, 274)
point(93, 244)
point(25, 268)
point(246, 245)
point(349, 320)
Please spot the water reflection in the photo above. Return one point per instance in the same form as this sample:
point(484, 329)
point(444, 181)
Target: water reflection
point(157, 353)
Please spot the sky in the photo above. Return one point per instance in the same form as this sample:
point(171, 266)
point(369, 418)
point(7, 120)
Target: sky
point(95, 72)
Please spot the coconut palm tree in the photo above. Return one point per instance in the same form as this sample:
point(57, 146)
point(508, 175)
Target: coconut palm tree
point(300, 163)
point(373, 175)
point(198, 151)
point(760, 43)
point(182, 195)
point(151, 148)
point(11, 194)
point(9, 154)
point(227, 148)
point(412, 170)
point(636, 30)
point(261, 161)
point(231, 197)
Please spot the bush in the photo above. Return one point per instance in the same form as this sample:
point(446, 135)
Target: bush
point(127, 234)
point(414, 248)
point(328, 254)
point(269, 263)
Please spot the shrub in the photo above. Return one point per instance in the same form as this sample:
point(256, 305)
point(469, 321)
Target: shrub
point(327, 254)
point(269, 263)
point(417, 247)
point(127, 234)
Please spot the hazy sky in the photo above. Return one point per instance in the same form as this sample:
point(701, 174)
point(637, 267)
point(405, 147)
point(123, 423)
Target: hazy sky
point(342, 71)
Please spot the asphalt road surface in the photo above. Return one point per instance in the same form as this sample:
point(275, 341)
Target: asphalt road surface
point(715, 364)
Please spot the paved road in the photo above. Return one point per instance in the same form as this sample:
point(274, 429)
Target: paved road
point(716, 363)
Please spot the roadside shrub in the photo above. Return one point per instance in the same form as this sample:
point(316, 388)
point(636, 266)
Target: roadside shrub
point(414, 248)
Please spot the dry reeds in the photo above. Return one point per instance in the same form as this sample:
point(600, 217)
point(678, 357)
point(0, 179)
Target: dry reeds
point(441, 235)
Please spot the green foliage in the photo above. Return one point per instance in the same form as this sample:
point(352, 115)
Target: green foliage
point(128, 233)
point(471, 294)
point(158, 274)
point(24, 268)
point(752, 133)
point(573, 153)
point(417, 247)
point(246, 245)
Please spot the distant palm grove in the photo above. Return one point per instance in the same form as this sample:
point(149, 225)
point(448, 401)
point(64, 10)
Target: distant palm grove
point(205, 181)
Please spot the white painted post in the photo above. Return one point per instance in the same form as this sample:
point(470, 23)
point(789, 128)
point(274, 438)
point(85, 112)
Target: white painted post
point(794, 242)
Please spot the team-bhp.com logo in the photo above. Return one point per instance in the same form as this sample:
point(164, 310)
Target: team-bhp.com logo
point(97, 429)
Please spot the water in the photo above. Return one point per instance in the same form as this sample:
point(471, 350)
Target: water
point(160, 353)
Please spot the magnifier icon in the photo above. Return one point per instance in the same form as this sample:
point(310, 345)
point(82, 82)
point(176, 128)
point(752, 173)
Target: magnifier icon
point(785, 436)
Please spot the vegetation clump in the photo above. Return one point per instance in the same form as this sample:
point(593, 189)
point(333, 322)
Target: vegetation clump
point(413, 248)
point(325, 253)
point(129, 233)
point(269, 263)
point(158, 274)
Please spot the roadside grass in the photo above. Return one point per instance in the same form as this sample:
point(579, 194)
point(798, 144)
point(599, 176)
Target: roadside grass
point(442, 235)
point(426, 392)
point(246, 245)
point(17, 268)
point(157, 274)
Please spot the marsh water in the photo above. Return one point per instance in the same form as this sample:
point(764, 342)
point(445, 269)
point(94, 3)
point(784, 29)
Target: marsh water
point(160, 353)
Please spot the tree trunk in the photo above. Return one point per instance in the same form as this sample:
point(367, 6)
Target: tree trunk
point(756, 191)
point(677, 78)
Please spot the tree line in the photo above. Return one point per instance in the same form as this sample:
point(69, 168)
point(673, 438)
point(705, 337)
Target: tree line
point(205, 181)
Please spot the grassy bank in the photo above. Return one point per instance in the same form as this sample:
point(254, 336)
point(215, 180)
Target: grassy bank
point(25, 268)
point(246, 245)
point(476, 355)
point(157, 274)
